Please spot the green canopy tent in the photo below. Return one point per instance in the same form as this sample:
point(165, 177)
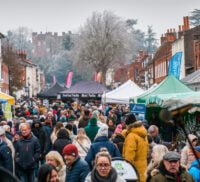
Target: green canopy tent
point(174, 100)
point(169, 85)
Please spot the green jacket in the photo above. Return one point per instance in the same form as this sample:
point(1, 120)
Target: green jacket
point(164, 176)
point(91, 129)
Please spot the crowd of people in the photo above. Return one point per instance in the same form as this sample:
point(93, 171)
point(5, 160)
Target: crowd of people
point(73, 142)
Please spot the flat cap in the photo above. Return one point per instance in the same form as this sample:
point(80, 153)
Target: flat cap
point(172, 156)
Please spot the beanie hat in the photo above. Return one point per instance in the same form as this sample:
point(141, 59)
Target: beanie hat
point(103, 131)
point(130, 118)
point(70, 149)
point(2, 131)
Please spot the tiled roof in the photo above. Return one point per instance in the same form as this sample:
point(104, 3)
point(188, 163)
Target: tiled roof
point(52, 92)
point(193, 77)
point(86, 87)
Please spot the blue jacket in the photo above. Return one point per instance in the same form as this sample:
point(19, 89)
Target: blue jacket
point(78, 171)
point(194, 170)
point(27, 152)
point(5, 156)
point(101, 142)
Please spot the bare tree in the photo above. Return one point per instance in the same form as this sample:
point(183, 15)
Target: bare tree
point(20, 39)
point(15, 69)
point(195, 17)
point(102, 42)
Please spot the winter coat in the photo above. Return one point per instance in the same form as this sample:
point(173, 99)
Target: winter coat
point(48, 130)
point(78, 171)
point(62, 173)
point(136, 147)
point(61, 141)
point(164, 176)
point(91, 130)
point(5, 156)
point(83, 145)
point(27, 152)
point(187, 155)
point(41, 136)
point(194, 170)
point(101, 142)
point(119, 179)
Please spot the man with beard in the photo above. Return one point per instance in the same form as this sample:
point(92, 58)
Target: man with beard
point(170, 169)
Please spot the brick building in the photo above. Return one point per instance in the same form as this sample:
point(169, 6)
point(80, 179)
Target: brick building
point(46, 43)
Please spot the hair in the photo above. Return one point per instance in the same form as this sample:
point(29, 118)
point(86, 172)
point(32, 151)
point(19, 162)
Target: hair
point(24, 124)
point(153, 128)
point(69, 126)
point(55, 156)
point(81, 130)
point(45, 172)
point(103, 153)
point(160, 151)
point(86, 112)
point(58, 126)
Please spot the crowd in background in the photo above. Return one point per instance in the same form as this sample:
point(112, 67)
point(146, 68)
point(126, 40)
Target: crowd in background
point(75, 142)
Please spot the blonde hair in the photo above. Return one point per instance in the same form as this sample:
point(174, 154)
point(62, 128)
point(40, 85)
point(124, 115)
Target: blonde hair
point(159, 151)
point(55, 156)
point(103, 153)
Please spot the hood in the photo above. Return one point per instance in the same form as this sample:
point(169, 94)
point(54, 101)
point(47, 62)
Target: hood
point(63, 134)
point(101, 138)
point(93, 121)
point(138, 129)
point(195, 164)
point(191, 138)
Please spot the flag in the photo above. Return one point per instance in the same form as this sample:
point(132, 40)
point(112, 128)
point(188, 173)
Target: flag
point(94, 76)
point(175, 65)
point(54, 79)
point(68, 82)
point(99, 77)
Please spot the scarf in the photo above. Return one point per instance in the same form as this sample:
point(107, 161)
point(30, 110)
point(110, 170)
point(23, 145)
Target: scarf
point(112, 176)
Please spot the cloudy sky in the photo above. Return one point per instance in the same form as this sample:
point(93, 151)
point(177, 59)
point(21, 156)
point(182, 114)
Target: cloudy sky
point(63, 15)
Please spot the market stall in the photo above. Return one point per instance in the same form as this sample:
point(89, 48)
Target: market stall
point(123, 93)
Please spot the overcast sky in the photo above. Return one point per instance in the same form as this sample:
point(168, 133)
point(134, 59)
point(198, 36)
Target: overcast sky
point(63, 15)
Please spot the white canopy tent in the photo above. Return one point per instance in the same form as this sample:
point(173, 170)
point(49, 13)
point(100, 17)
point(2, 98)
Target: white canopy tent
point(123, 93)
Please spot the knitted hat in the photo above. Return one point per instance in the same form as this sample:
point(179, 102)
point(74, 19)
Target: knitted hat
point(70, 149)
point(130, 118)
point(103, 131)
point(2, 131)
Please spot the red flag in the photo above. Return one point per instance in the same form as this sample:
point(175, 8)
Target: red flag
point(68, 82)
point(54, 79)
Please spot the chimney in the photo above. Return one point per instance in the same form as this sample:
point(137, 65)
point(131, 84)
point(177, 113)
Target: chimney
point(187, 23)
point(162, 39)
point(179, 28)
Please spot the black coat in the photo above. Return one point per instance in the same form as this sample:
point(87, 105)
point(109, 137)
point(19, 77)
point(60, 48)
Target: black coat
point(42, 137)
point(27, 152)
point(61, 141)
point(5, 156)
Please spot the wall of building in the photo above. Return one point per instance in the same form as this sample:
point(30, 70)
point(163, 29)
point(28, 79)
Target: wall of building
point(178, 46)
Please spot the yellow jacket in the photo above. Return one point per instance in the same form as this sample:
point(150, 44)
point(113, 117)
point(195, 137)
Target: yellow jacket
point(136, 148)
